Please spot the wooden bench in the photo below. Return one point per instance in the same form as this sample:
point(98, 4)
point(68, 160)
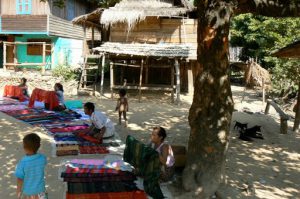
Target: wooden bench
point(283, 117)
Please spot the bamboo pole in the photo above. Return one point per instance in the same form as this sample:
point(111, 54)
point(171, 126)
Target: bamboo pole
point(141, 79)
point(44, 59)
point(263, 92)
point(102, 74)
point(84, 57)
point(297, 116)
point(93, 36)
point(111, 79)
point(172, 84)
point(4, 56)
point(177, 70)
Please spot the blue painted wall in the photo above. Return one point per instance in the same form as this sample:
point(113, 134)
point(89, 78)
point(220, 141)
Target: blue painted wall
point(66, 51)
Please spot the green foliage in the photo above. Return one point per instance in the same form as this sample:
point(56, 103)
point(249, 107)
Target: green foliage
point(260, 37)
point(67, 72)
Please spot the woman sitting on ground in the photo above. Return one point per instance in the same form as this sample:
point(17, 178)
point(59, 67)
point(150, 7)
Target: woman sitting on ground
point(165, 152)
point(24, 87)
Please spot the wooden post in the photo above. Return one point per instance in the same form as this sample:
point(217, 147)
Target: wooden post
point(111, 79)
point(93, 36)
point(102, 74)
point(84, 57)
point(122, 75)
point(177, 70)
point(267, 108)
point(4, 56)
point(283, 125)
point(147, 73)
point(172, 83)
point(263, 92)
point(141, 79)
point(44, 58)
point(297, 116)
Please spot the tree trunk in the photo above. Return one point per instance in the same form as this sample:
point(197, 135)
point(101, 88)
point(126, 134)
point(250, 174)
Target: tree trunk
point(211, 110)
point(297, 116)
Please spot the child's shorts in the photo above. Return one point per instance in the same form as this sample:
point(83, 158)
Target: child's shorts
point(38, 196)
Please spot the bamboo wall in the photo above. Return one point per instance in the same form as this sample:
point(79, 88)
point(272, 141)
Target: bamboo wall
point(24, 23)
point(157, 30)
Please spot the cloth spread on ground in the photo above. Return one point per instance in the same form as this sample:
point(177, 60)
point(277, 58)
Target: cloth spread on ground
point(48, 97)
point(14, 91)
point(146, 160)
point(116, 195)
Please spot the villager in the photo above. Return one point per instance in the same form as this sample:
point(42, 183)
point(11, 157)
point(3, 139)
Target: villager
point(122, 106)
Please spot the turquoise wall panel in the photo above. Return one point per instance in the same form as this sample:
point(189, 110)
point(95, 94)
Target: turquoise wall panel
point(22, 50)
point(66, 51)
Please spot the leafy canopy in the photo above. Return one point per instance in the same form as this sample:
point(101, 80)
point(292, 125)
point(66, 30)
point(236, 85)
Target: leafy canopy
point(260, 37)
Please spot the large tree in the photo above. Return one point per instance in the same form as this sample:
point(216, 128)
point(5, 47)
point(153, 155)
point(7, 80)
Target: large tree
point(211, 110)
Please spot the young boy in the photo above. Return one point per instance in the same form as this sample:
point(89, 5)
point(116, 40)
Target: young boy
point(122, 106)
point(30, 170)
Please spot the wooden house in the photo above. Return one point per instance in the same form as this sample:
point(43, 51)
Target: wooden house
point(38, 33)
point(151, 44)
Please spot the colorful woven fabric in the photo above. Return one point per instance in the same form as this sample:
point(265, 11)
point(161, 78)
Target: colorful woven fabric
point(121, 176)
point(48, 97)
point(146, 160)
point(112, 195)
point(12, 107)
point(89, 138)
point(64, 153)
point(93, 150)
point(68, 129)
point(14, 91)
point(98, 187)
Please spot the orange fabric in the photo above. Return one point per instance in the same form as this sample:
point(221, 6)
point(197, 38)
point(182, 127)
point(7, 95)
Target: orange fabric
point(110, 195)
point(48, 97)
point(14, 91)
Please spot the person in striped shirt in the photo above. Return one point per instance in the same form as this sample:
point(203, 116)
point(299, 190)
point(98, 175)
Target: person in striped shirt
point(30, 170)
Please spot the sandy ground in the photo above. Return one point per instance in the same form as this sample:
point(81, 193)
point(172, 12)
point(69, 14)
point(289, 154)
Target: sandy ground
point(265, 169)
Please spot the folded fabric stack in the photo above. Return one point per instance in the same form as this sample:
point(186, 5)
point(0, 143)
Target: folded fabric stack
point(146, 160)
point(98, 179)
point(14, 92)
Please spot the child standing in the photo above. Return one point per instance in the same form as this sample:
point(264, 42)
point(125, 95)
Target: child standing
point(30, 170)
point(24, 87)
point(122, 106)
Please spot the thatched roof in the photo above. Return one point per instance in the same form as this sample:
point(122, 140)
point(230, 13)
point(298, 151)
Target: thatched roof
point(90, 19)
point(255, 75)
point(150, 50)
point(133, 11)
point(290, 51)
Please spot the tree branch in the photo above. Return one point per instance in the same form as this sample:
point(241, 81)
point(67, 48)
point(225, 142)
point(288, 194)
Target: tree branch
point(269, 8)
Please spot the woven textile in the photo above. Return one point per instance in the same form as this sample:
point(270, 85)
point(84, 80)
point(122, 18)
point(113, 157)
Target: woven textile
point(96, 187)
point(14, 91)
point(93, 150)
point(48, 97)
point(147, 161)
point(117, 195)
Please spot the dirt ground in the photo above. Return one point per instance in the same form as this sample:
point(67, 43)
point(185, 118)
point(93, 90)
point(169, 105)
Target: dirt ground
point(266, 169)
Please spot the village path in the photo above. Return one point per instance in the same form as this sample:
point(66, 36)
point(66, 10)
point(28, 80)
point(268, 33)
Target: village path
point(268, 168)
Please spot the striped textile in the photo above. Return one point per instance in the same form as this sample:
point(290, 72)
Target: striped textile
point(93, 150)
point(117, 195)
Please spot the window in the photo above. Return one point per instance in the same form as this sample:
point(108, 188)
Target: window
point(23, 7)
point(37, 49)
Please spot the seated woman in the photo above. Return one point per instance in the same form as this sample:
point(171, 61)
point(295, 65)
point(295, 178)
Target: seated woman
point(24, 87)
point(165, 152)
point(58, 88)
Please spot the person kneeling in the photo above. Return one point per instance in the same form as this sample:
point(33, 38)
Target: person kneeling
point(101, 128)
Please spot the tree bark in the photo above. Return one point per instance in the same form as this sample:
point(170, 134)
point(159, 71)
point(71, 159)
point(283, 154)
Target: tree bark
point(211, 110)
point(297, 116)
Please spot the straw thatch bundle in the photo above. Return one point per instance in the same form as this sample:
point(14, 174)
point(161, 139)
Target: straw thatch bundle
point(133, 11)
point(255, 75)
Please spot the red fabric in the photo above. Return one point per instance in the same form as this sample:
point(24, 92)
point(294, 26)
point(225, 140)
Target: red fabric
point(109, 195)
point(91, 170)
point(93, 150)
point(14, 91)
point(90, 138)
point(48, 97)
